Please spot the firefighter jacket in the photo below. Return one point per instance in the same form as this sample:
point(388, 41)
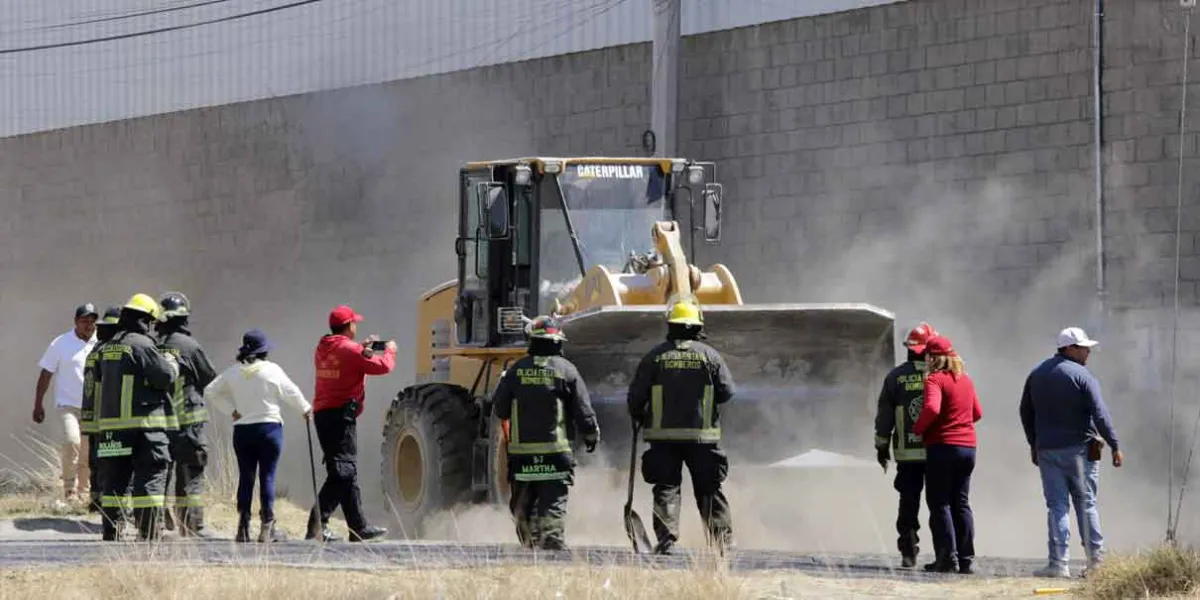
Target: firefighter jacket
point(195, 373)
point(900, 403)
point(676, 390)
point(540, 396)
point(134, 381)
point(87, 412)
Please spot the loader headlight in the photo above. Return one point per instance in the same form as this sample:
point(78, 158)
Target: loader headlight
point(523, 175)
point(695, 175)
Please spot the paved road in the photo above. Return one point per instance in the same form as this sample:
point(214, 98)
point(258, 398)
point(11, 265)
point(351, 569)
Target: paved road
point(64, 542)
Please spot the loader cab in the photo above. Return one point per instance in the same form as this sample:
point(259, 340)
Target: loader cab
point(529, 229)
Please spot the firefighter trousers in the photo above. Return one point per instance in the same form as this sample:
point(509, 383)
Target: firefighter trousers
point(135, 479)
point(662, 467)
point(909, 482)
point(96, 483)
point(337, 433)
point(539, 509)
point(189, 456)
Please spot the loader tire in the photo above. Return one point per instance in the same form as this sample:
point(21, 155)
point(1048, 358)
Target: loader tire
point(427, 440)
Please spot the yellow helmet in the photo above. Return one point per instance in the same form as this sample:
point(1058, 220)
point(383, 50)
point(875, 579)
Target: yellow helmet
point(144, 304)
point(685, 313)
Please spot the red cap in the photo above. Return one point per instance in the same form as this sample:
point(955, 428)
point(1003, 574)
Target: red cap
point(919, 336)
point(342, 315)
point(939, 346)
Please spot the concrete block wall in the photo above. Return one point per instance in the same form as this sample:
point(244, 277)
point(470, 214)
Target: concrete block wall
point(933, 157)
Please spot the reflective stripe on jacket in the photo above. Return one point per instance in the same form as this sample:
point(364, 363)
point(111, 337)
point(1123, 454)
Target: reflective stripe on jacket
point(900, 402)
point(134, 380)
point(676, 390)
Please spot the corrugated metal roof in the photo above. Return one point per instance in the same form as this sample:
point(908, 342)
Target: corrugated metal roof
point(319, 44)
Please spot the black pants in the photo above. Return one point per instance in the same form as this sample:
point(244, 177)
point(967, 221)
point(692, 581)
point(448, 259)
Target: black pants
point(135, 467)
point(948, 484)
point(662, 467)
point(540, 511)
point(95, 481)
point(189, 453)
point(337, 433)
point(910, 482)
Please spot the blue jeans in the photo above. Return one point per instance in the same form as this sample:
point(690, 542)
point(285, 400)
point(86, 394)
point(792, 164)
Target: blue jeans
point(257, 446)
point(1069, 477)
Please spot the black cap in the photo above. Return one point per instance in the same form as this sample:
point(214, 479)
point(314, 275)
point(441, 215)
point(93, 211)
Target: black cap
point(86, 310)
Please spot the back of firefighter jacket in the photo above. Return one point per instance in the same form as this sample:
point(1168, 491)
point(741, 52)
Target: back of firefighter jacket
point(134, 381)
point(539, 396)
point(900, 403)
point(195, 373)
point(88, 422)
point(676, 390)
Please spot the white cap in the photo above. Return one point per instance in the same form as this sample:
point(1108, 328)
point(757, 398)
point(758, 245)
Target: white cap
point(1074, 336)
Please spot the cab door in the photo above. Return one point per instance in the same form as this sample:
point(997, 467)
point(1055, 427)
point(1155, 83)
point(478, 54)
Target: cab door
point(471, 315)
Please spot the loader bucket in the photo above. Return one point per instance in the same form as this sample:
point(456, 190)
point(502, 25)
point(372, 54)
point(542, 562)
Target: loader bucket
point(806, 375)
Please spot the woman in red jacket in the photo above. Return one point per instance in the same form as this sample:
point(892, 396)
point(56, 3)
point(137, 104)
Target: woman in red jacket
point(947, 429)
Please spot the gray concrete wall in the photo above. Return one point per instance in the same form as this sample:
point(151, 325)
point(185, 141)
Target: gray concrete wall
point(933, 157)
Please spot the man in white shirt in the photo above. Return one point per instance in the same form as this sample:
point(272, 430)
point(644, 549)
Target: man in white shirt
point(63, 362)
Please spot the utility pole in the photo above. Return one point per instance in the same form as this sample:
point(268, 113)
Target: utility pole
point(664, 80)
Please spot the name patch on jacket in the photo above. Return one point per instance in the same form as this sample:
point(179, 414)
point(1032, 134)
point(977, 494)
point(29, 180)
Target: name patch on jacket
point(681, 360)
point(912, 382)
point(536, 376)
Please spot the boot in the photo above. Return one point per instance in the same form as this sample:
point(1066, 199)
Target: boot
point(942, 564)
point(268, 533)
point(168, 520)
point(322, 532)
point(243, 528)
point(966, 566)
point(193, 521)
point(369, 532)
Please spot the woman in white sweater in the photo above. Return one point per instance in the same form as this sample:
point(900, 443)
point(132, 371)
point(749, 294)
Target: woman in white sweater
point(251, 391)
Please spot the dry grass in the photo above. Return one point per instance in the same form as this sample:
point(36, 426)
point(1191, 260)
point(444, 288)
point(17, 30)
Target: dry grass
point(141, 580)
point(1164, 571)
point(33, 490)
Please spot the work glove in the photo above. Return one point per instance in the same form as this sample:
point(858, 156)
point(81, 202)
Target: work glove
point(590, 442)
point(883, 454)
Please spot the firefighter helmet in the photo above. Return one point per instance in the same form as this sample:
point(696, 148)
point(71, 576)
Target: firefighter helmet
point(145, 305)
point(174, 304)
point(685, 313)
point(919, 336)
point(112, 314)
point(546, 328)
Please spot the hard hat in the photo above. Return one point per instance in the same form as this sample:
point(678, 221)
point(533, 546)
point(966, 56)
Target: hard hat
point(919, 336)
point(112, 314)
point(145, 305)
point(685, 313)
point(174, 304)
point(546, 328)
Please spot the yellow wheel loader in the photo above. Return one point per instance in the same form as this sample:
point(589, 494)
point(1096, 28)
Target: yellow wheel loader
point(596, 241)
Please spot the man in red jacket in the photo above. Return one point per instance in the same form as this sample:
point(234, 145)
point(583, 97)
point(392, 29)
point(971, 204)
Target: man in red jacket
point(341, 367)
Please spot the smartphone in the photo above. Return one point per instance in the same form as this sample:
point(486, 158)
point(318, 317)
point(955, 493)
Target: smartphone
point(378, 345)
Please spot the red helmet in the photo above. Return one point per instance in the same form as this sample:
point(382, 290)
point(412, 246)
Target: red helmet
point(919, 336)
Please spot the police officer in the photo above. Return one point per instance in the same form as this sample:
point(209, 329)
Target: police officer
point(674, 398)
point(900, 403)
point(189, 445)
point(106, 328)
point(539, 396)
point(134, 382)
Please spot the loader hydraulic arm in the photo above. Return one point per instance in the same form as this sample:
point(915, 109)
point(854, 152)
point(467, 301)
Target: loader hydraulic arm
point(683, 278)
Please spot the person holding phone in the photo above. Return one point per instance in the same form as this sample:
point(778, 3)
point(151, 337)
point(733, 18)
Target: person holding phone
point(341, 367)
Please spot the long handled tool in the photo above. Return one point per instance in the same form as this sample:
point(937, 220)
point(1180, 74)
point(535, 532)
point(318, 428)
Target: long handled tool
point(633, 522)
point(314, 516)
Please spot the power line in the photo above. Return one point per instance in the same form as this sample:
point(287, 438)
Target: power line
point(125, 36)
point(120, 16)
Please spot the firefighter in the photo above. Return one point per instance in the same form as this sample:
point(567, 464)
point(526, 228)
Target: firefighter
point(134, 382)
point(106, 328)
point(674, 397)
point(900, 402)
point(538, 398)
point(189, 445)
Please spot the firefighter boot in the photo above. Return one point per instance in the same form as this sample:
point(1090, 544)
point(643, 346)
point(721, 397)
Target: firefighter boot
point(243, 528)
point(910, 550)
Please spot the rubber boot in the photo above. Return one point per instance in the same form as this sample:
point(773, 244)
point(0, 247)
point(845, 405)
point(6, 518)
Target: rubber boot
point(243, 528)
